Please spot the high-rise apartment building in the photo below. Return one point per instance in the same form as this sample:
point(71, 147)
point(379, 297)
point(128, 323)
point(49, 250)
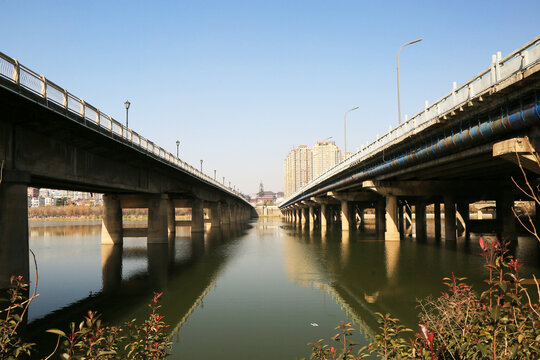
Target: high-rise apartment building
point(303, 164)
point(298, 169)
point(325, 155)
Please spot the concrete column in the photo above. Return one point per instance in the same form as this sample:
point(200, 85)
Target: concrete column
point(111, 225)
point(449, 219)
point(391, 233)
point(408, 219)
point(345, 216)
point(420, 219)
point(171, 219)
point(362, 218)
point(197, 216)
point(380, 210)
point(401, 221)
point(158, 216)
point(324, 216)
point(225, 214)
point(13, 232)
point(505, 216)
point(437, 216)
point(302, 217)
point(215, 214)
point(311, 217)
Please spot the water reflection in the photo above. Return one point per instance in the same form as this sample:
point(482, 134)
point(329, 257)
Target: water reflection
point(252, 281)
point(68, 256)
point(366, 275)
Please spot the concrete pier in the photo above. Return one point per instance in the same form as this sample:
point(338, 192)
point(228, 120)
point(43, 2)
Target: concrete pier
point(380, 210)
point(324, 216)
point(13, 231)
point(215, 214)
point(420, 219)
point(111, 225)
point(391, 233)
point(197, 216)
point(158, 215)
point(449, 218)
point(345, 216)
point(311, 217)
point(437, 218)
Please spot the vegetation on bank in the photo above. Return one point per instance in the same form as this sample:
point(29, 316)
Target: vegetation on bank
point(502, 322)
point(89, 339)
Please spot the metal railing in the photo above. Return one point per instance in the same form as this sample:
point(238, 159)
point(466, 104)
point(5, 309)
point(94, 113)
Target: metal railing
point(37, 84)
point(499, 70)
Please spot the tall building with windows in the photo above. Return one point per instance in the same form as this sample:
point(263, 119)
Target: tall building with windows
point(303, 164)
point(325, 155)
point(298, 169)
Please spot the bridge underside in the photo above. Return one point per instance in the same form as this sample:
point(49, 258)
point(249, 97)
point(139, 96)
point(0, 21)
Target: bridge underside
point(44, 145)
point(474, 152)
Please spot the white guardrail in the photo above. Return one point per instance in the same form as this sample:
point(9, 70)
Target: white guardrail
point(22, 76)
point(500, 70)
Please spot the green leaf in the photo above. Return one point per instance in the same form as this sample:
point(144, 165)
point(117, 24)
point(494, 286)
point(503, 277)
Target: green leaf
point(57, 332)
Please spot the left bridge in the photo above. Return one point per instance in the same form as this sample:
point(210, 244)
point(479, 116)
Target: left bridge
point(51, 138)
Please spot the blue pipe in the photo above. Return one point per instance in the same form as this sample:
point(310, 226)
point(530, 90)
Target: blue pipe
point(506, 122)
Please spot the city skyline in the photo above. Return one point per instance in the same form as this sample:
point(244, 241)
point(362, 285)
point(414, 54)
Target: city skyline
point(220, 78)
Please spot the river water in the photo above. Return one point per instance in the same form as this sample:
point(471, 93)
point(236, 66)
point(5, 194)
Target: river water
point(264, 289)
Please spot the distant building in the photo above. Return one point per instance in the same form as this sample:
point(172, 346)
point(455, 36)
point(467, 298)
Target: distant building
point(326, 155)
point(303, 164)
point(297, 169)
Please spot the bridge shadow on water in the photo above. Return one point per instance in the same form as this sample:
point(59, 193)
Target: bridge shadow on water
point(184, 270)
point(366, 275)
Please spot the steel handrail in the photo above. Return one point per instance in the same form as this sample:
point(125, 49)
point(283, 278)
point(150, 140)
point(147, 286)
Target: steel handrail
point(530, 48)
point(40, 85)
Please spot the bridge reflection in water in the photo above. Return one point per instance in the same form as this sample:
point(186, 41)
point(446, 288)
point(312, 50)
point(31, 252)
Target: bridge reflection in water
point(184, 269)
point(249, 288)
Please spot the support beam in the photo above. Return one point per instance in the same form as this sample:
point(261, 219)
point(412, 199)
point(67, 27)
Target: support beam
point(225, 214)
point(158, 220)
point(197, 216)
point(380, 210)
point(111, 225)
point(505, 216)
point(420, 219)
point(437, 216)
point(449, 218)
point(324, 216)
point(408, 219)
point(391, 233)
point(215, 214)
point(345, 216)
point(171, 219)
point(311, 217)
point(13, 232)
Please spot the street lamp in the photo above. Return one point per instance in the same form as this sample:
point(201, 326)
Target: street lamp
point(177, 147)
point(398, 99)
point(201, 165)
point(345, 127)
point(127, 103)
point(214, 174)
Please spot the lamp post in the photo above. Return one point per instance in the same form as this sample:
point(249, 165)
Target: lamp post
point(214, 174)
point(345, 128)
point(201, 165)
point(127, 103)
point(398, 99)
point(177, 147)
point(224, 180)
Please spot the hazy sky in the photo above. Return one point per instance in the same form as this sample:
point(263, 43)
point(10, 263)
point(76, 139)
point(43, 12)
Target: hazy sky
point(240, 83)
